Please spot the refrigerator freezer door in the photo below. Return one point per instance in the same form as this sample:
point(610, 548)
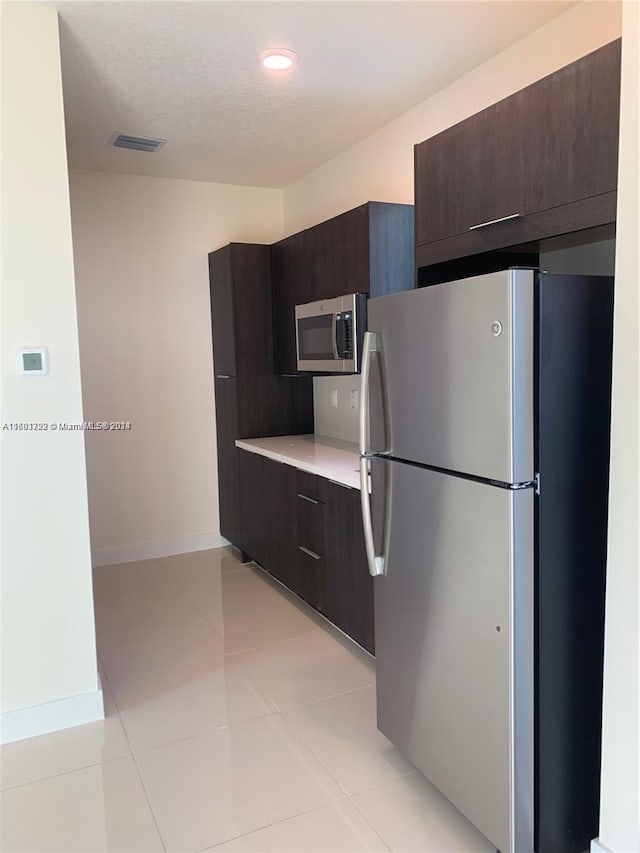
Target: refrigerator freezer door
point(454, 641)
point(457, 364)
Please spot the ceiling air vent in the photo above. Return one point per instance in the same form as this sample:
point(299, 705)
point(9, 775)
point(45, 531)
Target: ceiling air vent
point(138, 143)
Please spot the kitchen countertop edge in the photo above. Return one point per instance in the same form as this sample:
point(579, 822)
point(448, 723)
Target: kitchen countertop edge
point(339, 465)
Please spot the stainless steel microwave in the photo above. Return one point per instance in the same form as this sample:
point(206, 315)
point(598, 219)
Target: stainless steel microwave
point(329, 334)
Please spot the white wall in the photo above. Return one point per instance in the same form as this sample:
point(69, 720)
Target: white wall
point(380, 167)
point(141, 248)
point(620, 803)
point(47, 627)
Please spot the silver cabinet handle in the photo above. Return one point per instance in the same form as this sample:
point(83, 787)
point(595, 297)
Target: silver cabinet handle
point(495, 221)
point(223, 376)
point(308, 551)
point(307, 498)
point(369, 345)
point(376, 564)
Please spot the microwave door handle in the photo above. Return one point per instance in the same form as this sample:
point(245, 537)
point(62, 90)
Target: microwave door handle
point(334, 335)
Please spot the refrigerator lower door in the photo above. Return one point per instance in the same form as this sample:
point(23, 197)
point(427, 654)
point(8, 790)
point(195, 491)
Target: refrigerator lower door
point(454, 641)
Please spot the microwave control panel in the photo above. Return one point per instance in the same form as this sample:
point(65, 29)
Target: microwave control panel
point(344, 334)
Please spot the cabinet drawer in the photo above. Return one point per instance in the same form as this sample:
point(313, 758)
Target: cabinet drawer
point(312, 580)
point(312, 526)
point(311, 486)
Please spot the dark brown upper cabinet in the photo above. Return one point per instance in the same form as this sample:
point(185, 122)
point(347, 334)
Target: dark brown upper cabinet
point(251, 400)
point(240, 277)
point(369, 249)
point(223, 318)
point(337, 255)
point(290, 288)
point(543, 160)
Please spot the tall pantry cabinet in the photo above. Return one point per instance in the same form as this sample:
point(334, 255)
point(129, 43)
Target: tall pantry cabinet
point(251, 400)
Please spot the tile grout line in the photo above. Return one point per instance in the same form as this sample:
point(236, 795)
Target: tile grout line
point(327, 628)
point(138, 774)
point(386, 843)
point(346, 796)
point(303, 743)
point(317, 758)
point(66, 772)
point(326, 698)
point(275, 823)
point(203, 733)
point(144, 789)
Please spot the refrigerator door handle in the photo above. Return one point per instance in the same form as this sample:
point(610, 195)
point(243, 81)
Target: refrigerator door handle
point(370, 344)
point(376, 564)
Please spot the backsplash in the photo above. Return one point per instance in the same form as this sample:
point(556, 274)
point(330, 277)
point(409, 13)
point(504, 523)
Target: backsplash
point(340, 422)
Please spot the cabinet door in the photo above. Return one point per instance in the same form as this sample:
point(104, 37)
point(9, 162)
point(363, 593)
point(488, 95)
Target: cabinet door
point(572, 127)
point(279, 506)
point(222, 315)
point(554, 143)
point(254, 500)
point(445, 172)
point(337, 255)
point(253, 311)
point(349, 586)
point(351, 247)
point(319, 256)
point(228, 465)
point(471, 173)
point(290, 278)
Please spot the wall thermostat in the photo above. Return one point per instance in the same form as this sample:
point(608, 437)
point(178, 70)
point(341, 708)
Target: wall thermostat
point(33, 361)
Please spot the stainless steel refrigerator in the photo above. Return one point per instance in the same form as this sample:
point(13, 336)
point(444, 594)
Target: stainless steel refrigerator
point(485, 430)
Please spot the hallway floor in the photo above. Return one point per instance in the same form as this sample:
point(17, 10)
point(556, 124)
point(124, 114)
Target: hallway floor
point(237, 719)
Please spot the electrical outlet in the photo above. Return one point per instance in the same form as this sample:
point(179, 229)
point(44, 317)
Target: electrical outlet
point(334, 398)
point(354, 398)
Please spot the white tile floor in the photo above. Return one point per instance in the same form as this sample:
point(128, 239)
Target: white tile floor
point(237, 720)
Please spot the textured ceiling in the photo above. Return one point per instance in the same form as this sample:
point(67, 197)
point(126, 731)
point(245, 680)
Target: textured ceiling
point(187, 72)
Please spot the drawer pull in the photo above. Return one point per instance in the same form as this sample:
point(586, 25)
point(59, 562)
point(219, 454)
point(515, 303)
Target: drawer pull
point(307, 498)
point(308, 551)
point(495, 221)
point(222, 376)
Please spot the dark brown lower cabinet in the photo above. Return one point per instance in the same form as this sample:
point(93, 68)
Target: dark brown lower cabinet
point(254, 504)
point(268, 506)
point(349, 586)
point(306, 531)
point(279, 501)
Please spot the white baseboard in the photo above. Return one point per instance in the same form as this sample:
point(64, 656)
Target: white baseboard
point(114, 554)
point(51, 717)
point(598, 847)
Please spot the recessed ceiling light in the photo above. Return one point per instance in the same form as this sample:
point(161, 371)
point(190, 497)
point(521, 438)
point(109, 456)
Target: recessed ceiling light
point(278, 58)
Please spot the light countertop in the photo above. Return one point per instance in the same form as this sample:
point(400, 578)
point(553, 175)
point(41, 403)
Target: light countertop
point(327, 457)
